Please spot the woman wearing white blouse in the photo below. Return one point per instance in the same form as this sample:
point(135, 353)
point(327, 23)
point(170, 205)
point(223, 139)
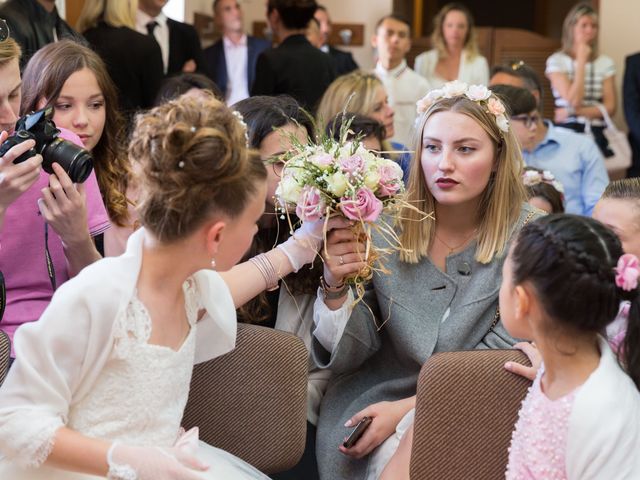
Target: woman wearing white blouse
point(454, 55)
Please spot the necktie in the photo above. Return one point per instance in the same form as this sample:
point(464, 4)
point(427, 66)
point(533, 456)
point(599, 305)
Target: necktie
point(151, 26)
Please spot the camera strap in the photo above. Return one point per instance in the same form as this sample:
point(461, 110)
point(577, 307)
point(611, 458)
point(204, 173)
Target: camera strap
point(3, 296)
point(50, 270)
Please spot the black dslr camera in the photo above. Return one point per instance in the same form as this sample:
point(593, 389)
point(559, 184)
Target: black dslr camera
point(38, 126)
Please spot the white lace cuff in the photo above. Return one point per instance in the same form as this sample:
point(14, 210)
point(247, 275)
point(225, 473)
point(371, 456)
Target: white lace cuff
point(329, 323)
point(27, 438)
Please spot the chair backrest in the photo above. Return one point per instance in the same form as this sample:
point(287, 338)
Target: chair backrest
point(5, 352)
point(252, 402)
point(466, 407)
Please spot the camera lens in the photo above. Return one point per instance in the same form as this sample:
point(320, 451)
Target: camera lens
point(76, 161)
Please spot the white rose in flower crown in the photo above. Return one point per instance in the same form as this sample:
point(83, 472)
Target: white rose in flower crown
point(337, 184)
point(502, 122)
point(288, 189)
point(454, 89)
point(423, 104)
point(478, 93)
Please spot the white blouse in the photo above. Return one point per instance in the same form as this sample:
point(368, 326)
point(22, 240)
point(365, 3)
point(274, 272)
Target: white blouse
point(472, 72)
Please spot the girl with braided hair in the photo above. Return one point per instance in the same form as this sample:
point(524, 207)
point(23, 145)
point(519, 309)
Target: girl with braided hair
point(563, 281)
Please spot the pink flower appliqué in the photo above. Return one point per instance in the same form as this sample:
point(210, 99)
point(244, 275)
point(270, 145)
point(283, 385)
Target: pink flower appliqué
point(365, 206)
point(352, 165)
point(310, 205)
point(627, 272)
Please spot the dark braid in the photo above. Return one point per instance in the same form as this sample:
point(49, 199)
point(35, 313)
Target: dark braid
point(570, 260)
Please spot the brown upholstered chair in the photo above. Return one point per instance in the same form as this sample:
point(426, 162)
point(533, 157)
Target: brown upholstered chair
point(5, 351)
point(252, 402)
point(466, 408)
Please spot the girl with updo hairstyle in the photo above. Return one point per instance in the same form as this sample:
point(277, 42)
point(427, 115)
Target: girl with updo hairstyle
point(90, 391)
point(564, 280)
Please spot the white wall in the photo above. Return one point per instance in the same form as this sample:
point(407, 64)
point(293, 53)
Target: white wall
point(343, 11)
point(619, 37)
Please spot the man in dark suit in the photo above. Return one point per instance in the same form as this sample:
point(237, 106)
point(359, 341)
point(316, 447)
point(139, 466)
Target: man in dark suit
point(631, 98)
point(296, 67)
point(342, 61)
point(34, 24)
point(231, 61)
point(179, 42)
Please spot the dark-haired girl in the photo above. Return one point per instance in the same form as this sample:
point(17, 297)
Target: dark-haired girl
point(563, 282)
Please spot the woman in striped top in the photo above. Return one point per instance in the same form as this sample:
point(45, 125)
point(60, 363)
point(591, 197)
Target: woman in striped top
point(581, 78)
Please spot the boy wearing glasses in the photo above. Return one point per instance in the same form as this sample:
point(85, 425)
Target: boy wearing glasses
point(573, 158)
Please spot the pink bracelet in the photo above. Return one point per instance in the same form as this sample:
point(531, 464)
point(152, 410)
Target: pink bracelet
point(264, 265)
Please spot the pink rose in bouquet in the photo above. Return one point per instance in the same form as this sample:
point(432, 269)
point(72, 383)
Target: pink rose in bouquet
point(364, 207)
point(311, 205)
point(352, 165)
point(322, 160)
point(390, 178)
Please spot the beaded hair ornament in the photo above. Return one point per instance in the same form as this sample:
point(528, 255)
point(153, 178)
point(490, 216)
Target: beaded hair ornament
point(477, 93)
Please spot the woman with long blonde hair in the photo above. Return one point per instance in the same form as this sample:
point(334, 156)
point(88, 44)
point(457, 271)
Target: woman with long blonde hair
point(454, 54)
point(442, 292)
point(134, 60)
point(582, 79)
point(362, 93)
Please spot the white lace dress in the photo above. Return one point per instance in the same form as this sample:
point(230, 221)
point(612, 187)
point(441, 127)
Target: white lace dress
point(139, 398)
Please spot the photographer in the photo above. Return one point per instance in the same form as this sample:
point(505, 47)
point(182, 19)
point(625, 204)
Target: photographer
point(46, 221)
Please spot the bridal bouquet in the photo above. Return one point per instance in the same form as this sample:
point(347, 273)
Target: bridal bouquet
point(340, 177)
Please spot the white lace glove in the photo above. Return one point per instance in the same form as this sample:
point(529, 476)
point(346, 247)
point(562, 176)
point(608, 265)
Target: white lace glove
point(155, 463)
point(305, 243)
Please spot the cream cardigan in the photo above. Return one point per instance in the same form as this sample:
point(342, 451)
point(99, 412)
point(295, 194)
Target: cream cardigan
point(59, 357)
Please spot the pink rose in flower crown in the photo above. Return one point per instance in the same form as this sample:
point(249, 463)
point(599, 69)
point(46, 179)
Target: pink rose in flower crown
point(311, 205)
point(390, 179)
point(628, 272)
point(365, 206)
point(495, 106)
point(352, 165)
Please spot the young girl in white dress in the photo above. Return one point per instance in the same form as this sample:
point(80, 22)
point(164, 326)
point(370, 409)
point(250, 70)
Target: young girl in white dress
point(563, 282)
point(101, 380)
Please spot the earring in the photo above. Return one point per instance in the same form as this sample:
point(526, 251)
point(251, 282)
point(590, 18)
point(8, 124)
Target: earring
point(213, 263)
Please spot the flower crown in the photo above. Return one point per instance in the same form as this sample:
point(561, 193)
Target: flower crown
point(533, 177)
point(477, 93)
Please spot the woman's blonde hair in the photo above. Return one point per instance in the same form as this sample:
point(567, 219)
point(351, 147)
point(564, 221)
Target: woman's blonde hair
point(437, 36)
point(500, 203)
point(193, 163)
point(356, 91)
point(579, 10)
point(116, 13)
point(9, 50)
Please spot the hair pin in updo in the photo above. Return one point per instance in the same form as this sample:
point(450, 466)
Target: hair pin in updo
point(181, 164)
point(193, 129)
